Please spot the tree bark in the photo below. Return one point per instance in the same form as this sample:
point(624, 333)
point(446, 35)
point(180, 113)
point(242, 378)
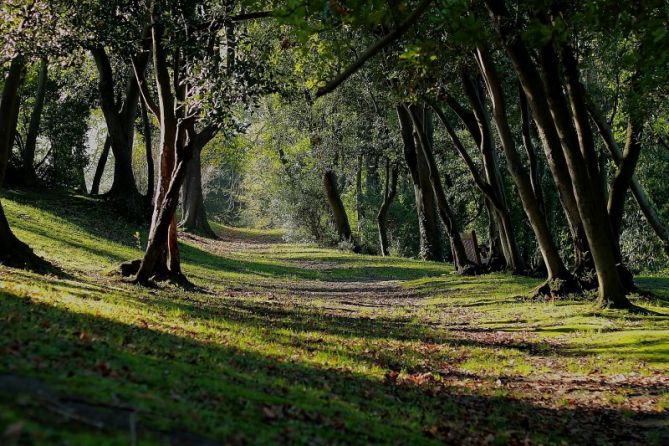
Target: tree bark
point(532, 85)
point(389, 192)
point(13, 252)
point(559, 280)
point(29, 174)
point(462, 263)
point(148, 148)
point(194, 215)
point(578, 146)
point(100, 169)
point(120, 127)
point(639, 193)
point(430, 240)
point(337, 208)
point(623, 177)
point(513, 257)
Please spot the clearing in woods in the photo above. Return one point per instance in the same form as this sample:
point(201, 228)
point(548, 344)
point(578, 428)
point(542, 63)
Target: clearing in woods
point(286, 343)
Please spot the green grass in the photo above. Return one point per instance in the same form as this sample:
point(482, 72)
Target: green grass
point(287, 343)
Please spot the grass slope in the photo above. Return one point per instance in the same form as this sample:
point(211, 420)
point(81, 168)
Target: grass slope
point(295, 344)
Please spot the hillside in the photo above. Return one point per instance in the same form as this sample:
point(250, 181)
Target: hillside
point(287, 343)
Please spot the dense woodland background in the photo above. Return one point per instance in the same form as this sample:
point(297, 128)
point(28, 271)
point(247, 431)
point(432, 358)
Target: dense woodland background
point(251, 221)
point(535, 124)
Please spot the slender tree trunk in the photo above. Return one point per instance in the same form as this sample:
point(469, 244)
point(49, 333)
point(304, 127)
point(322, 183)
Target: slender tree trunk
point(430, 240)
point(389, 191)
point(194, 215)
point(463, 264)
point(13, 252)
point(623, 178)
point(531, 83)
point(29, 174)
point(148, 147)
point(337, 208)
point(514, 259)
point(637, 190)
point(559, 280)
point(358, 193)
point(100, 169)
point(533, 160)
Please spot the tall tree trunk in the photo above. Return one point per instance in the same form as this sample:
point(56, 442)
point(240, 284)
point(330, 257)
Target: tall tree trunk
point(389, 192)
point(148, 147)
point(430, 240)
point(337, 208)
point(358, 194)
point(13, 252)
point(29, 174)
point(623, 177)
point(578, 146)
point(533, 160)
point(559, 280)
point(194, 215)
point(639, 193)
point(120, 127)
point(531, 83)
point(100, 168)
point(462, 263)
point(514, 259)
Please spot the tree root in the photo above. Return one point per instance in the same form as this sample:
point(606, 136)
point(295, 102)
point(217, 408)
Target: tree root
point(557, 288)
point(130, 269)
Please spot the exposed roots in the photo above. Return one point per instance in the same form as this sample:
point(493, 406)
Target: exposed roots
point(19, 255)
point(557, 288)
point(130, 269)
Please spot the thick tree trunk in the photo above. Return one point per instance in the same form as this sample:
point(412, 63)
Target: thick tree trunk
point(337, 208)
point(637, 190)
point(389, 192)
point(13, 252)
point(120, 126)
point(29, 174)
point(531, 83)
point(559, 279)
point(578, 146)
point(428, 226)
point(100, 168)
point(194, 215)
point(462, 263)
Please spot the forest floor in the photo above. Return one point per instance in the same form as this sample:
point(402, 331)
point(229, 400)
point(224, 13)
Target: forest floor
point(286, 343)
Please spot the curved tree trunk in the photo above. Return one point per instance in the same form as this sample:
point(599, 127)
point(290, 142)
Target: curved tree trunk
point(13, 252)
point(493, 176)
point(462, 263)
point(194, 215)
point(428, 226)
point(100, 169)
point(120, 127)
point(148, 148)
point(389, 191)
point(637, 190)
point(559, 280)
point(337, 207)
point(28, 167)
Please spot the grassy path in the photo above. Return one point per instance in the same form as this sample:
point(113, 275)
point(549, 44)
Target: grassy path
point(300, 345)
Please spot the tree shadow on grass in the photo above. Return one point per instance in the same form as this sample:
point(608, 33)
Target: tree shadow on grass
point(176, 383)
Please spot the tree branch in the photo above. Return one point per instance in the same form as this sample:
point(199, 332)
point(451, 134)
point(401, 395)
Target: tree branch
point(376, 48)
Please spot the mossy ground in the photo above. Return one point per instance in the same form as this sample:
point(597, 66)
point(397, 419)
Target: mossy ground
point(287, 343)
